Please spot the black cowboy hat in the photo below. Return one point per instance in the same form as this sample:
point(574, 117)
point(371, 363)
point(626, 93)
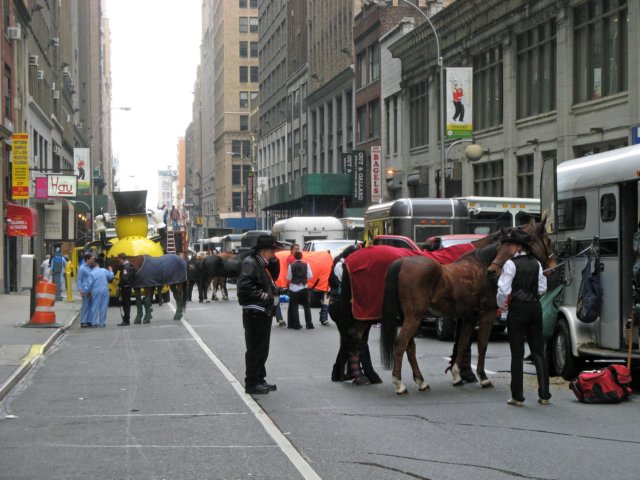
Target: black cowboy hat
point(265, 242)
point(517, 236)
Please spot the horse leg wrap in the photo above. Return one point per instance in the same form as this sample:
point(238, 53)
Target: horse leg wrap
point(147, 310)
point(138, 318)
point(354, 365)
point(422, 384)
point(456, 379)
point(178, 314)
point(400, 388)
point(324, 313)
point(485, 381)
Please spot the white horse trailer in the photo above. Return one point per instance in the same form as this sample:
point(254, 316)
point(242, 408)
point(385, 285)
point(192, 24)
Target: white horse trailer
point(593, 201)
point(301, 229)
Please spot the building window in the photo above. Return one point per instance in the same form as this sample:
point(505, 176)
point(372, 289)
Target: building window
point(244, 99)
point(244, 123)
point(236, 200)
point(525, 176)
point(362, 120)
point(487, 89)
point(374, 62)
point(254, 49)
point(487, 179)
point(600, 46)
point(7, 93)
point(244, 24)
point(418, 115)
point(244, 74)
point(244, 49)
point(253, 23)
point(253, 3)
point(361, 74)
point(242, 3)
point(536, 70)
point(374, 119)
point(254, 74)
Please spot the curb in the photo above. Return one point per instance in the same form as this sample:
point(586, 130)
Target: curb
point(35, 354)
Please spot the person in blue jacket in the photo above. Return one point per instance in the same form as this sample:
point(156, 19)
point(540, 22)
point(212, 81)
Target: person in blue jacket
point(84, 287)
point(100, 278)
point(58, 264)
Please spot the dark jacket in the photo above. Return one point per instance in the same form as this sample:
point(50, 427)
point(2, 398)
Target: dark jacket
point(194, 269)
point(255, 287)
point(524, 287)
point(127, 275)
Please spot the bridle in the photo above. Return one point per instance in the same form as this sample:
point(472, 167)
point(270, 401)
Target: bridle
point(547, 256)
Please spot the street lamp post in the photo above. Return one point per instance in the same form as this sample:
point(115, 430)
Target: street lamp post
point(93, 134)
point(443, 158)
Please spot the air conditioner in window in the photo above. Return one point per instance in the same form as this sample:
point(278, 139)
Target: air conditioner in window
point(53, 85)
point(14, 33)
point(68, 118)
point(56, 150)
point(66, 72)
point(17, 103)
point(78, 125)
point(40, 75)
point(33, 60)
point(56, 94)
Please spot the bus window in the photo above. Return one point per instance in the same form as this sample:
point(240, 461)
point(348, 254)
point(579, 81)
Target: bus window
point(422, 232)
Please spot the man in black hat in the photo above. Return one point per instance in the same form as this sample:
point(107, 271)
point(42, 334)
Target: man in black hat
point(256, 292)
point(520, 287)
point(127, 275)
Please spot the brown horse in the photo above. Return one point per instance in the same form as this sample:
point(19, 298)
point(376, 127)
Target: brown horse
point(226, 265)
point(167, 269)
point(361, 297)
point(464, 289)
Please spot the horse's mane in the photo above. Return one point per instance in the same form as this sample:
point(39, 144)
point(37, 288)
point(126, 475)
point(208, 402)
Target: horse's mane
point(484, 255)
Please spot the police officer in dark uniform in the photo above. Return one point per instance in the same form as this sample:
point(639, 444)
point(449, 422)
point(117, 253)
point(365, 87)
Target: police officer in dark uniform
point(256, 292)
point(520, 287)
point(194, 273)
point(127, 274)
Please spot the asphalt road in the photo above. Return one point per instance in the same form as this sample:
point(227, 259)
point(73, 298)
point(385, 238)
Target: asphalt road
point(166, 401)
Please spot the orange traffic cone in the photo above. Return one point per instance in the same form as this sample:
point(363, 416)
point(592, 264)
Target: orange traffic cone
point(44, 315)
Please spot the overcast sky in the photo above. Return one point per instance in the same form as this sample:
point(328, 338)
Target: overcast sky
point(155, 50)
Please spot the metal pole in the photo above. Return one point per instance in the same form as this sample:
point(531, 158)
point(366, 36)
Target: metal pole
point(443, 116)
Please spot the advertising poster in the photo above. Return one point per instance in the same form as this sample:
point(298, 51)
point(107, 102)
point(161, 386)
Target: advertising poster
point(376, 194)
point(82, 167)
point(61, 185)
point(353, 164)
point(459, 102)
point(20, 166)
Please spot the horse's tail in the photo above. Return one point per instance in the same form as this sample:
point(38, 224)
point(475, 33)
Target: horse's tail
point(391, 315)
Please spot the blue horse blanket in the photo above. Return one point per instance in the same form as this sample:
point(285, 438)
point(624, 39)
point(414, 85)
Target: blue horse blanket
point(165, 270)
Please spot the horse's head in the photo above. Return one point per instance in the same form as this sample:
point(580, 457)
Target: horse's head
point(539, 246)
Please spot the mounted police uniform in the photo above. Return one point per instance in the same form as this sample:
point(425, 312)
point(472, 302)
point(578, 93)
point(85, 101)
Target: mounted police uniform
point(520, 287)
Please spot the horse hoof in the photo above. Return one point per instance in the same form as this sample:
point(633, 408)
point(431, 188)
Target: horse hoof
point(362, 380)
point(402, 391)
point(423, 386)
point(459, 383)
point(486, 383)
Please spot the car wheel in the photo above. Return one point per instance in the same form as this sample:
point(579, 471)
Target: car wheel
point(445, 328)
point(564, 363)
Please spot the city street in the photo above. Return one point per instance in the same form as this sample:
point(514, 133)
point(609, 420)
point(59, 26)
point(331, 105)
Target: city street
point(166, 401)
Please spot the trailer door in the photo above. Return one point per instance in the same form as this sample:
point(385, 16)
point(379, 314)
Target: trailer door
point(609, 225)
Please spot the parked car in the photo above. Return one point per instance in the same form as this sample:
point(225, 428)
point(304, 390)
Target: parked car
point(334, 246)
point(445, 327)
point(398, 241)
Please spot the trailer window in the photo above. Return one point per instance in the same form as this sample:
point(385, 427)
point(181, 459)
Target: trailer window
point(572, 213)
point(608, 207)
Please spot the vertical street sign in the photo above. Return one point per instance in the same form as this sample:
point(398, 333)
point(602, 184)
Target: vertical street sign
point(353, 164)
point(82, 170)
point(376, 194)
point(20, 166)
point(459, 110)
point(250, 192)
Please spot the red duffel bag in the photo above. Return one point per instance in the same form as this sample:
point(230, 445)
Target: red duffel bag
point(609, 385)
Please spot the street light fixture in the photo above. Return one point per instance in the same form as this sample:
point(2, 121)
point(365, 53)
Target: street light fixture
point(93, 130)
point(443, 158)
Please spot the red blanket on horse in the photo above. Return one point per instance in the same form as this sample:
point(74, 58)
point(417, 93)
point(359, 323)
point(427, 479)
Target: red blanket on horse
point(368, 267)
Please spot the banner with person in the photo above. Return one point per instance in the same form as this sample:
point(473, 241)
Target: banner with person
point(459, 102)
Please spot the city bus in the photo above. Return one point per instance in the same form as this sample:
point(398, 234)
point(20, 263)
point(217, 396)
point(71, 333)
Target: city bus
point(488, 214)
point(592, 204)
point(416, 218)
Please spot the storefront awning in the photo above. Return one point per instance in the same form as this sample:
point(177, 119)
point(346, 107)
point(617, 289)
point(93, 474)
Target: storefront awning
point(21, 221)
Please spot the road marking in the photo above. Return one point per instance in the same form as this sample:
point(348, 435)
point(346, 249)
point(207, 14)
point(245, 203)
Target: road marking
point(474, 366)
point(270, 427)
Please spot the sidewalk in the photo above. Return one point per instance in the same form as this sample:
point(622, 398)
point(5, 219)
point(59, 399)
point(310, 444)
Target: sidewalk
point(21, 348)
